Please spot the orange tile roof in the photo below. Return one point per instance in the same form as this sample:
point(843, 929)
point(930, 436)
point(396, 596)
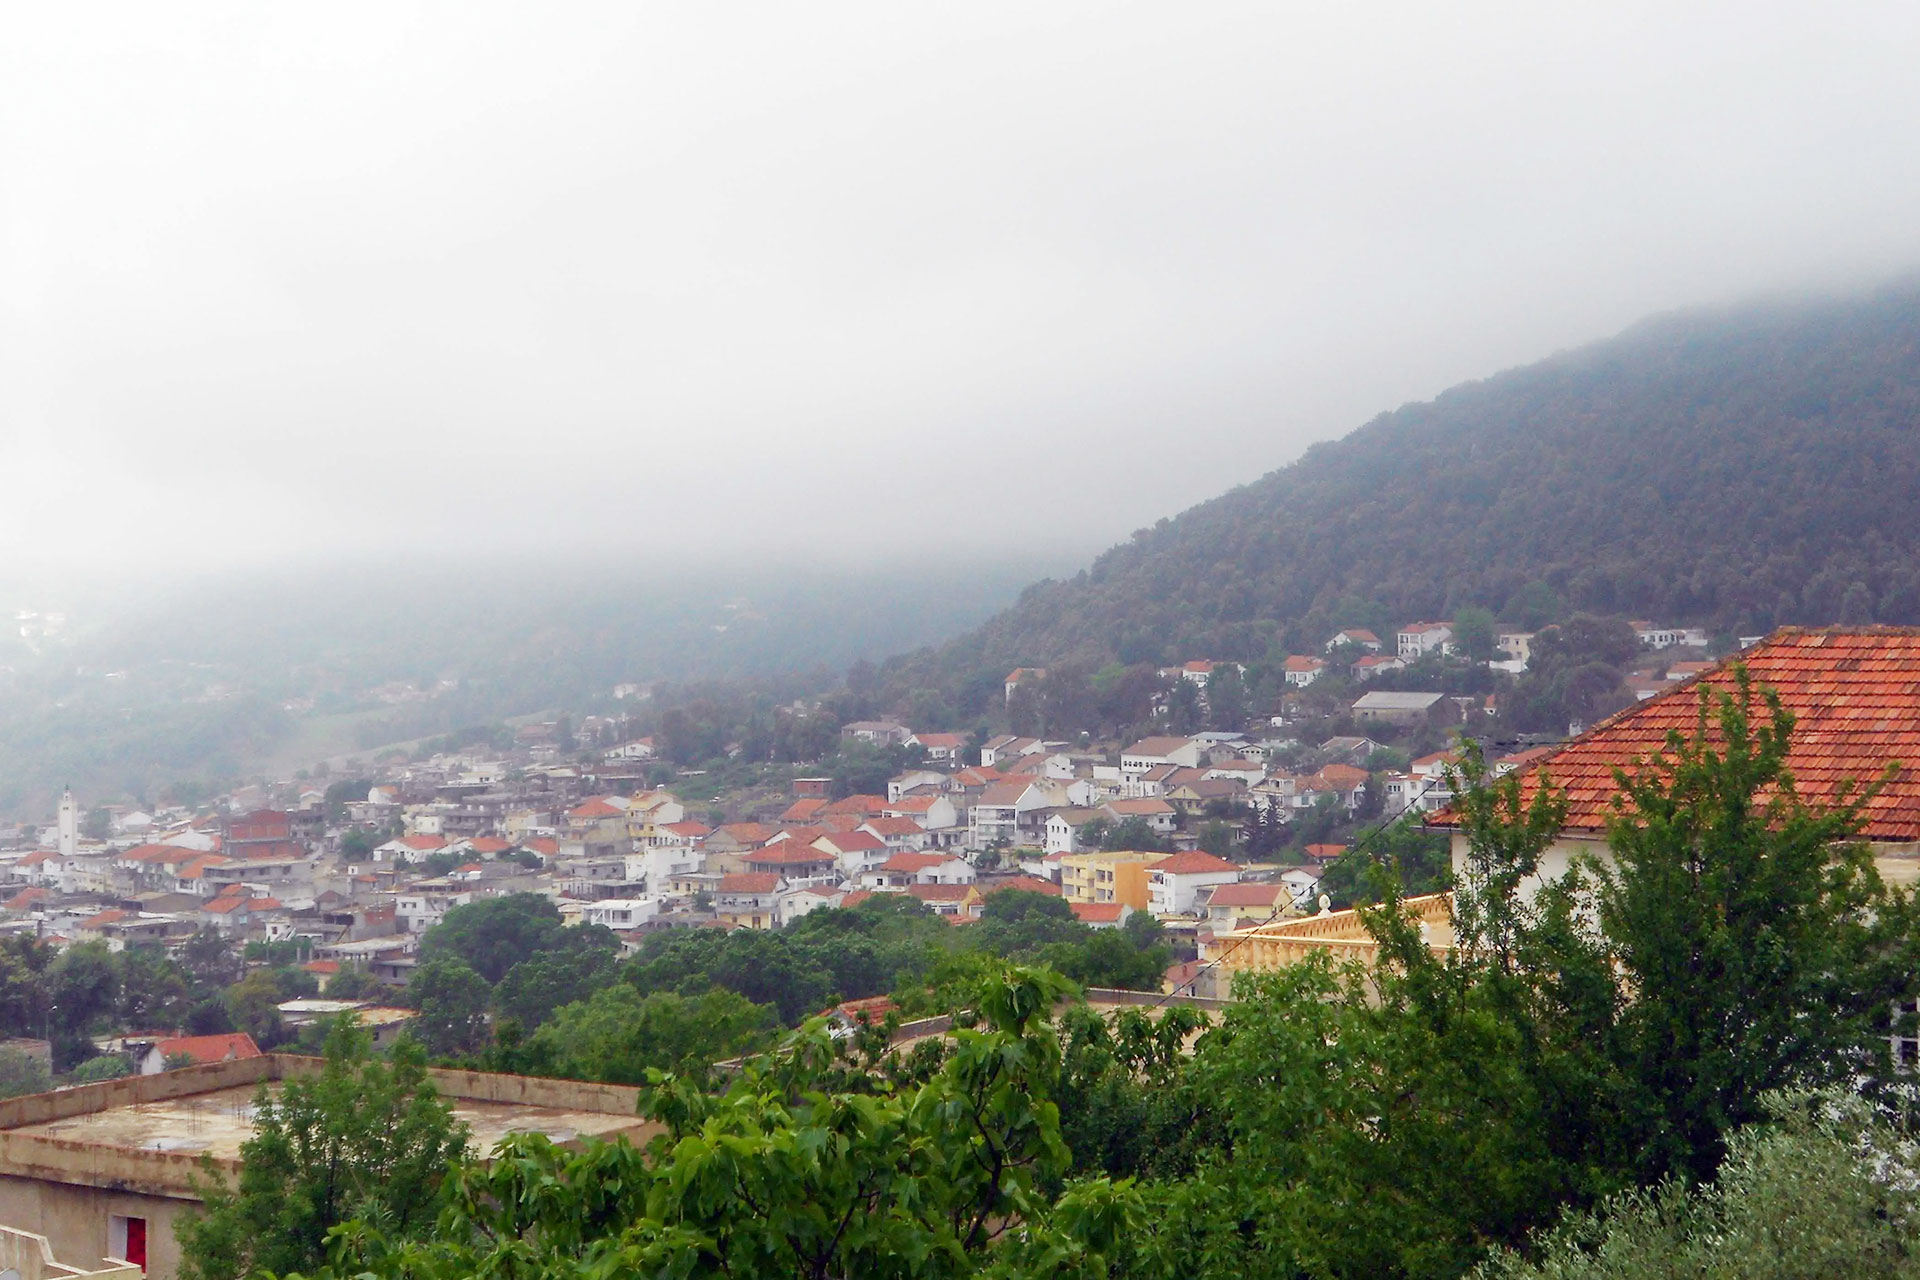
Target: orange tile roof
point(1191, 863)
point(801, 810)
point(750, 882)
point(201, 1049)
point(860, 804)
point(1097, 912)
point(1028, 884)
point(1246, 894)
point(939, 892)
point(1855, 692)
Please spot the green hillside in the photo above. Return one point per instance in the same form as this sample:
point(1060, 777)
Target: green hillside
point(1739, 469)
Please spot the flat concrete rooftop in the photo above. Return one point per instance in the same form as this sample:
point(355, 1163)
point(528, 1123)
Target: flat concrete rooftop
point(217, 1122)
point(148, 1133)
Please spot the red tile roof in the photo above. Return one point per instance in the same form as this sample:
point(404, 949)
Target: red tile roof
point(884, 827)
point(595, 808)
point(1246, 894)
point(1325, 852)
point(852, 841)
point(1855, 692)
point(860, 804)
point(1191, 863)
point(855, 898)
point(1097, 912)
point(1029, 884)
point(201, 1049)
point(914, 861)
point(939, 892)
point(802, 810)
point(489, 844)
point(750, 882)
point(913, 804)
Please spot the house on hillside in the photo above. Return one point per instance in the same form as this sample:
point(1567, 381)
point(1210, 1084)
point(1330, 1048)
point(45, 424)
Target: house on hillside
point(1358, 636)
point(1418, 639)
point(1404, 708)
point(1174, 884)
point(1302, 670)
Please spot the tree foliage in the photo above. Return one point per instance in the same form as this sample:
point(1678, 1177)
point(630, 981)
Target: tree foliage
point(365, 1140)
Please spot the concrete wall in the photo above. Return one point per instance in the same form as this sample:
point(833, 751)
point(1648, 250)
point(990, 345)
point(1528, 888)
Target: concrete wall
point(75, 1220)
point(67, 1190)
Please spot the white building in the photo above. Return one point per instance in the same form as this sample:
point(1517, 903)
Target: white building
point(1173, 884)
point(1418, 638)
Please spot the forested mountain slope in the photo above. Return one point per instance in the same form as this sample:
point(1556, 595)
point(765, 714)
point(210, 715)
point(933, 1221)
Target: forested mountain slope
point(1740, 469)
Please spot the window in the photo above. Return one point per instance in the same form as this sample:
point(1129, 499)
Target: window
point(127, 1239)
point(1906, 1034)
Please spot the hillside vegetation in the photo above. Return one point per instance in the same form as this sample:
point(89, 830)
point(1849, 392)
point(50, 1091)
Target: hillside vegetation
point(1741, 469)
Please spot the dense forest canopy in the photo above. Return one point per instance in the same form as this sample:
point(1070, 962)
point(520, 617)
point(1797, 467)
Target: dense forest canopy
point(1739, 469)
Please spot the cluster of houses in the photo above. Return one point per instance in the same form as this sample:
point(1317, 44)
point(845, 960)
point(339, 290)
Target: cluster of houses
point(607, 848)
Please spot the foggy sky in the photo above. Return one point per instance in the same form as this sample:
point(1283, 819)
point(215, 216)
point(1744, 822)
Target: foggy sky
point(280, 282)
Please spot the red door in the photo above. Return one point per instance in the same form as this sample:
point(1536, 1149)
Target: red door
point(137, 1242)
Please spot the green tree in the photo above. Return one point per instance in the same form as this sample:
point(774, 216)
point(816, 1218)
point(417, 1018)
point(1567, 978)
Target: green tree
point(1219, 839)
point(154, 990)
point(107, 1066)
point(22, 1073)
point(253, 1003)
point(353, 982)
point(452, 1000)
point(540, 985)
point(211, 961)
point(618, 1035)
point(1227, 698)
point(85, 985)
point(1474, 633)
point(785, 1175)
point(1825, 1188)
point(366, 1139)
point(1760, 944)
point(494, 934)
point(1133, 834)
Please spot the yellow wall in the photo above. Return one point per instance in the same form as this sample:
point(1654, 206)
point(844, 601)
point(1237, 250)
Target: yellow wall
point(1080, 877)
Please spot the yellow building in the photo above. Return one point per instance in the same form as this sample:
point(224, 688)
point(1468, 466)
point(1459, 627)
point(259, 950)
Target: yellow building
point(1340, 935)
point(1118, 875)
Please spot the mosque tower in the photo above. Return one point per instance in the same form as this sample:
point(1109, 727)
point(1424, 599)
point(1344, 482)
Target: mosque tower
point(69, 824)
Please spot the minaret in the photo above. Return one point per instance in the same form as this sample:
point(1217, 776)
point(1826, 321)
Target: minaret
point(69, 824)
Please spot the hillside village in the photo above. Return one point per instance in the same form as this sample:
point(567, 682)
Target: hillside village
point(1207, 831)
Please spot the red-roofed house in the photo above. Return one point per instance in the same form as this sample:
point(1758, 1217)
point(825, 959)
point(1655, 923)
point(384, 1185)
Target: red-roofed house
point(854, 851)
point(749, 899)
point(1025, 884)
point(862, 806)
point(903, 869)
point(802, 810)
point(899, 834)
point(1356, 636)
point(1101, 915)
point(200, 1050)
point(947, 899)
point(1855, 693)
point(1247, 901)
point(1302, 670)
point(1175, 882)
point(1152, 810)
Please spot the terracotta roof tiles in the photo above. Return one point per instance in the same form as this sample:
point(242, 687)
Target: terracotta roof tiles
point(1855, 694)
